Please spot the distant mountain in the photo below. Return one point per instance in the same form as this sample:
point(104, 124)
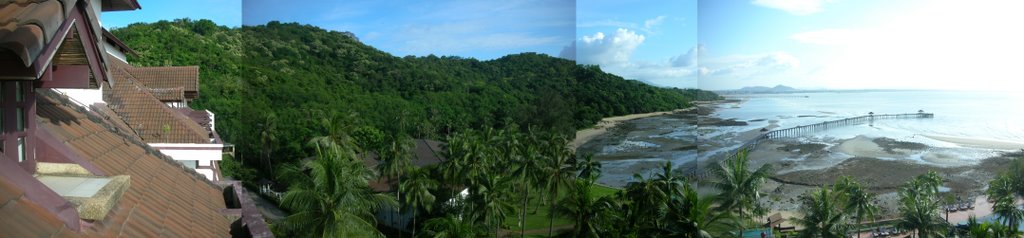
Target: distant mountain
point(763, 89)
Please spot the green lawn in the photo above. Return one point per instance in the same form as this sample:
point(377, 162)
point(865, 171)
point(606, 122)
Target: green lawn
point(540, 218)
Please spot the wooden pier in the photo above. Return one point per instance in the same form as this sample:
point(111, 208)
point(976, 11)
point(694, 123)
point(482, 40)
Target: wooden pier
point(827, 125)
point(697, 174)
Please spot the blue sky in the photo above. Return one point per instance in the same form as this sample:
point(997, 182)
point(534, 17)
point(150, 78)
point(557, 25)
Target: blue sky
point(223, 12)
point(713, 44)
point(644, 40)
point(467, 28)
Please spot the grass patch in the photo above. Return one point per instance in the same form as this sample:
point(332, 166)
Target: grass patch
point(540, 218)
point(600, 190)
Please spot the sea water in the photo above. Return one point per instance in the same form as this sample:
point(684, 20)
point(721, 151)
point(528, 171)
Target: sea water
point(990, 116)
point(996, 116)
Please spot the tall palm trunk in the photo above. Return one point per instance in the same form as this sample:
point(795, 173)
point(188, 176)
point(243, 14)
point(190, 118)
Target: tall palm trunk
point(857, 218)
point(740, 232)
point(399, 197)
point(522, 218)
point(551, 221)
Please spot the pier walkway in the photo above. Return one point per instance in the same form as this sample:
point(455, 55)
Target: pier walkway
point(805, 129)
point(827, 125)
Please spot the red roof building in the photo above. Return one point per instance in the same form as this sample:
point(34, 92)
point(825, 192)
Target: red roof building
point(75, 169)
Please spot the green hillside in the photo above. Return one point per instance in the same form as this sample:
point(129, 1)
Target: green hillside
point(272, 85)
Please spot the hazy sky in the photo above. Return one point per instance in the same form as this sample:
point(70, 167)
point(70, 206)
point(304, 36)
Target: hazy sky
point(467, 28)
point(222, 12)
point(909, 44)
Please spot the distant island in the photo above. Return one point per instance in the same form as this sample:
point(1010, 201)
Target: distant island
point(783, 89)
point(761, 89)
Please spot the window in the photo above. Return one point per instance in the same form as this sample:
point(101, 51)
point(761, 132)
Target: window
point(21, 119)
point(21, 149)
point(19, 93)
point(192, 164)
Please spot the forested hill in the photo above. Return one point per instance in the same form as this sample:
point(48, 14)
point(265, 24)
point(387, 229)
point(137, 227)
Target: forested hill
point(272, 85)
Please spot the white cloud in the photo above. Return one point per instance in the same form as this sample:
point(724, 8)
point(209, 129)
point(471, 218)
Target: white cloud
point(614, 53)
point(650, 23)
point(690, 58)
point(795, 7)
point(615, 49)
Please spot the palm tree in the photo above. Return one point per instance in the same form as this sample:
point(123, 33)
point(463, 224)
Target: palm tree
point(859, 201)
point(823, 214)
point(558, 170)
point(1004, 202)
point(648, 204)
point(417, 188)
point(450, 227)
point(527, 171)
point(978, 230)
point(738, 186)
point(692, 216)
point(584, 209)
point(396, 159)
point(919, 206)
point(334, 198)
point(489, 201)
point(589, 169)
point(268, 138)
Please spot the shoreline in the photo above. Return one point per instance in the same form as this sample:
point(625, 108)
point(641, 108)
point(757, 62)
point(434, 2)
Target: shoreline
point(978, 143)
point(607, 123)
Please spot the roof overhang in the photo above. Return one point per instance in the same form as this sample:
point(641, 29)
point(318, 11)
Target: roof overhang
point(109, 37)
point(120, 5)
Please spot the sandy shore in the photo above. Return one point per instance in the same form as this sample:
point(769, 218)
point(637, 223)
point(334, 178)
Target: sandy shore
point(979, 143)
point(800, 165)
point(880, 164)
point(585, 135)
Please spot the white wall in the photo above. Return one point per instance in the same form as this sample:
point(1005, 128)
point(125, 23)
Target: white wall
point(115, 51)
point(83, 97)
point(204, 153)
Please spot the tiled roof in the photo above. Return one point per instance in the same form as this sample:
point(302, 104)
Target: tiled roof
point(111, 118)
point(164, 198)
point(197, 116)
point(168, 94)
point(27, 26)
point(186, 77)
point(153, 121)
point(427, 152)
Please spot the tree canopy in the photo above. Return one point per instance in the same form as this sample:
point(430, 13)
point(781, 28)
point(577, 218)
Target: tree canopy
point(269, 84)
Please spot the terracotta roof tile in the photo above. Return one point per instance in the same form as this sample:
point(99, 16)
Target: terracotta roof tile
point(27, 26)
point(165, 199)
point(169, 77)
point(168, 94)
point(153, 121)
point(111, 118)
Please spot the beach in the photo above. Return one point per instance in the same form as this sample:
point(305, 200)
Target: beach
point(879, 156)
point(585, 135)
